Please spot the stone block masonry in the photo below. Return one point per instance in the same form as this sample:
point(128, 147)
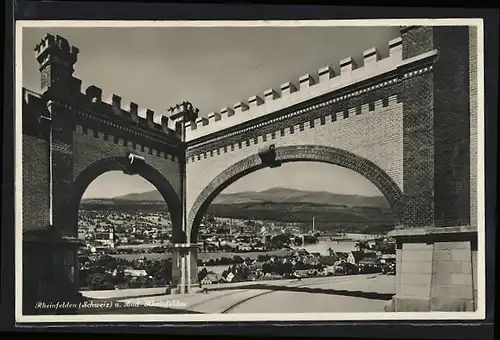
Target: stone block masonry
point(436, 275)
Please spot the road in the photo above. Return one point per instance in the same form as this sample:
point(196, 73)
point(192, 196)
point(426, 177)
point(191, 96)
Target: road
point(358, 293)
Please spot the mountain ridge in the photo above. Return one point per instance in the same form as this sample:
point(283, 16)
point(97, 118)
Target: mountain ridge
point(272, 195)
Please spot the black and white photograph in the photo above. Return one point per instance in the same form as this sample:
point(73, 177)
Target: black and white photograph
point(249, 171)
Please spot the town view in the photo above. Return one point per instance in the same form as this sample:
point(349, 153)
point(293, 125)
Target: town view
point(278, 233)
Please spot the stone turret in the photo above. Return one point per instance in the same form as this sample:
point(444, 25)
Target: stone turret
point(183, 114)
point(56, 58)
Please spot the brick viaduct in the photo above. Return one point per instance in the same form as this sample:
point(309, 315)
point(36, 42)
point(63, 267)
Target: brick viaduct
point(406, 122)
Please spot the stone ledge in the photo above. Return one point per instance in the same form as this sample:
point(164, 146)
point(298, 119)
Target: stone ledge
point(49, 234)
point(430, 231)
point(436, 304)
point(450, 304)
point(410, 304)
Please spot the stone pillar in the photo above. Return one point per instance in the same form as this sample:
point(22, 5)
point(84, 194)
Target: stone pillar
point(194, 265)
point(435, 270)
point(49, 272)
point(176, 268)
point(437, 243)
point(188, 271)
point(183, 273)
point(184, 267)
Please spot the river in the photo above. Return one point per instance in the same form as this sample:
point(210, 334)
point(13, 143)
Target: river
point(323, 246)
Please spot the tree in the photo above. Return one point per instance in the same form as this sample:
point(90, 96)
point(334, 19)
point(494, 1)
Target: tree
point(202, 274)
point(263, 258)
point(107, 262)
point(267, 268)
point(97, 269)
point(361, 245)
point(119, 278)
point(387, 248)
point(281, 238)
point(284, 268)
point(100, 282)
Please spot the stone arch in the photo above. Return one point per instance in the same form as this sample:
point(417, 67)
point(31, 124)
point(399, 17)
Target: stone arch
point(286, 154)
point(146, 171)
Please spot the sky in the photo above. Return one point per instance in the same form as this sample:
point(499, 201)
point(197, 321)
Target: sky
point(212, 67)
point(320, 177)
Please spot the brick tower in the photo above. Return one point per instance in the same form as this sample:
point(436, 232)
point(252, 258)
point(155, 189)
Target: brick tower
point(50, 240)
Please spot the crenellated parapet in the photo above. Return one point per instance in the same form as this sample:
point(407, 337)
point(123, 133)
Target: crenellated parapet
point(111, 120)
point(307, 87)
point(62, 100)
point(129, 112)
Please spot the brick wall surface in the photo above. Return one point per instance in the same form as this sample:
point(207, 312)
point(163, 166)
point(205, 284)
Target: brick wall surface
point(417, 41)
point(62, 170)
point(89, 149)
point(436, 128)
point(374, 134)
point(473, 60)
point(35, 170)
point(451, 127)
point(418, 151)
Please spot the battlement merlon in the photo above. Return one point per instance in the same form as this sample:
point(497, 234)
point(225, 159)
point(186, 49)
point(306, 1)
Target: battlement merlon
point(307, 87)
point(184, 111)
point(115, 106)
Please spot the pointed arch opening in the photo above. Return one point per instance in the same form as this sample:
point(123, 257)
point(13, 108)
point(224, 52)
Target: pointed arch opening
point(300, 153)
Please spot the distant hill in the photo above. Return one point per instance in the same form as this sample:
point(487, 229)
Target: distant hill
point(149, 196)
point(285, 195)
point(279, 204)
point(274, 195)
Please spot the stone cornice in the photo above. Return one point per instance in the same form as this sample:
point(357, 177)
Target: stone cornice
point(412, 232)
point(432, 234)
